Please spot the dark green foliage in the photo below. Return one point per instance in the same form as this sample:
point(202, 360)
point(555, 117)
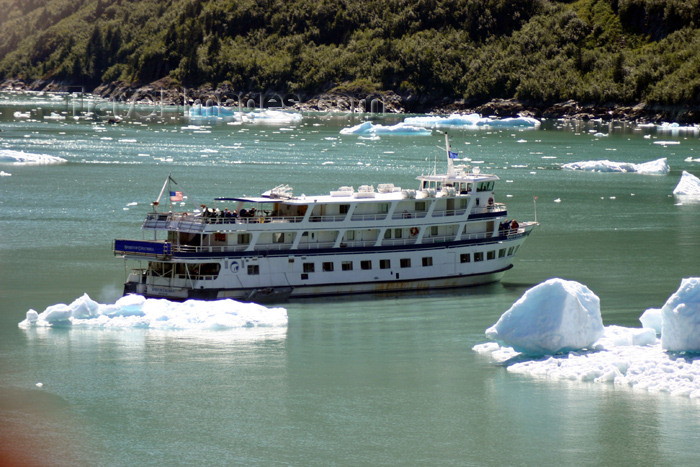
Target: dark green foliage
point(594, 51)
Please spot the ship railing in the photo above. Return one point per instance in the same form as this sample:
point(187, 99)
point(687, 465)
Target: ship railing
point(368, 217)
point(449, 212)
point(410, 215)
point(339, 218)
point(187, 221)
point(498, 207)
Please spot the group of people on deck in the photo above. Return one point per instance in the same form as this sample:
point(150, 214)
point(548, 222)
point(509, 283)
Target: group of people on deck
point(226, 214)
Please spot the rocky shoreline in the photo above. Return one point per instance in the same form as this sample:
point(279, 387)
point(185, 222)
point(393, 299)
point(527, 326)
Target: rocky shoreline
point(166, 92)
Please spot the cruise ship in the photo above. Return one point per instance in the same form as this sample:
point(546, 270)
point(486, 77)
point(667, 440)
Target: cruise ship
point(448, 232)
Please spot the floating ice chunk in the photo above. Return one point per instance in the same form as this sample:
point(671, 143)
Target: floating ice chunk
point(369, 128)
point(690, 159)
point(651, 319)
point(472, 121)
point(655, 167)
point(667, 143)
point(689, 185)
point(5, 174)
point(554, 316)
point(28, 158)
point(199, 111)
point(677, 128)
point(135, 311)
point(615, 336)
point(680, 315)
point(273, 117)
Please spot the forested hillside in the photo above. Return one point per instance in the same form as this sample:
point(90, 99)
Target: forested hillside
point(592, 51)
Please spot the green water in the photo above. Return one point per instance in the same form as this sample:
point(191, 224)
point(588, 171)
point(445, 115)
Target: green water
point(372, 381)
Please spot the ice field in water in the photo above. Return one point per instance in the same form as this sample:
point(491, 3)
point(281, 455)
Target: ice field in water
point(655, 167)
point(555, 331)
point(135, 311)
point(473, 120)
point(10, 156)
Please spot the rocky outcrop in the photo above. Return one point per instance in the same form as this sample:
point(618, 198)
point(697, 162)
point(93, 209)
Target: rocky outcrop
point(168, 92)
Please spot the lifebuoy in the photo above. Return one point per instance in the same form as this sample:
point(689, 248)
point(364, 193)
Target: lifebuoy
point(414, 231)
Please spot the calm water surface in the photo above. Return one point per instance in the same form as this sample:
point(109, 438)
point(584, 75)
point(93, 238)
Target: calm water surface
point(372, 381)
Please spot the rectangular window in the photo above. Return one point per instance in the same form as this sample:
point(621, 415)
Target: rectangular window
point(384, 264)
point(366, 264)
point(244, 239)
point(383, 208)
point(346, 265)
point(327, 267)
point(478, 256)
point(253, 269)
point(397, 233)
point(502, 253)
point(491, 254)
point(278, 237)
point(465, 258)
point(350, 235)
point(427, 261)
point(420, 205)
point(510, 251)
point(434, 230)
point(343, 208)
point(405, 262)
point(308, 267)
point(387, 234)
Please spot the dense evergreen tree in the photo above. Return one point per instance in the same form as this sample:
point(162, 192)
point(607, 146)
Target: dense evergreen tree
point(594, 51)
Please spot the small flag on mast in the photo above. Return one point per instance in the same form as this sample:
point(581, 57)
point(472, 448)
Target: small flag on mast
point(175, 196)
point(453, 155)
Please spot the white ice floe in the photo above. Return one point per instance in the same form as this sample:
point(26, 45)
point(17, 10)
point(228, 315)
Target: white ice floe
point(629, 357)
point(273, 117)
point(472, 121)
point(555, 316)
point(369, 128)
point(5, 174)
point(135, 311)
point(688, 186)
point(655, 167)
point(675, 128)
point(10, 156)
point(680, 318)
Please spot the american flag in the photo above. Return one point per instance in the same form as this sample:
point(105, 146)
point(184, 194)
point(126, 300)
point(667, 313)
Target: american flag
point(175, 196)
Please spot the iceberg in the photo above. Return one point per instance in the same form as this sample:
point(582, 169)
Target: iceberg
point(473, 120)
point(369, 128)
point(552, 317)
point(688, 186)
point(625, 357)
point(10, 156)
point(135, 311)
point(199, 111)
point(273, 117)
point(655, 167)
point(680, 318)
point(676, 128)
